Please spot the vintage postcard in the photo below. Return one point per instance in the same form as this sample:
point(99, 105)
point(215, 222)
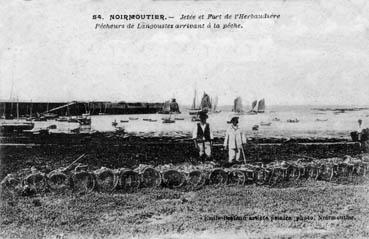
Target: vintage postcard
point(184, 119)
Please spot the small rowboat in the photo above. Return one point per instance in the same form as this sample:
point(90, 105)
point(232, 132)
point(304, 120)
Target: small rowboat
point(321, 120)
point(62, 119)
point(133, 118)
point(293, 121)
point(168, 121)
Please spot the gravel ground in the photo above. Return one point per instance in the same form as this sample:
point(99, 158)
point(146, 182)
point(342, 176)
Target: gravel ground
point(306, 210)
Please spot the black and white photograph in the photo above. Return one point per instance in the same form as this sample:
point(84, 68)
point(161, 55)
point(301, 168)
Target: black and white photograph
point(181, 119)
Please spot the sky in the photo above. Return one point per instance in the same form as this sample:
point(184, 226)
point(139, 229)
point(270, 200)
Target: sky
point(317, 53)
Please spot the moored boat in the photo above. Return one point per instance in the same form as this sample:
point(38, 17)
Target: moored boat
point(62, 119)
point(170, 107)
point(252, 110)
point(205, 104)
point(321, 120)
point(293, 120)
point(168, 121)
point(193, 110)
point(237, 106)
point(261, 106)
point(215, 105)
point(50, 115)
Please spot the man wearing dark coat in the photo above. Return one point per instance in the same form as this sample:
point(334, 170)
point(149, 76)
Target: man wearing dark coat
point(203, 136)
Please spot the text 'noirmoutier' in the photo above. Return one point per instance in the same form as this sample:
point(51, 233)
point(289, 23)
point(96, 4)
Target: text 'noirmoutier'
point(137, 17)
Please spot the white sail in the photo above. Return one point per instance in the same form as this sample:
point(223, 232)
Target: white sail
point(194, 102)
point(215, 104)
point(193, 107)
point(237, 105)
point(253, 105)
point(166, 106)
point(261, 106)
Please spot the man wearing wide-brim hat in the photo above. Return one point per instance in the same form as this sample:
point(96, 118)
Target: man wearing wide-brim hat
point(234, 140)
point(203, 136)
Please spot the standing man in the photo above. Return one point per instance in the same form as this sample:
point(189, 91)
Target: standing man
point(362, 135)
point(203, 136)
point(359, 129)
point(234, 141)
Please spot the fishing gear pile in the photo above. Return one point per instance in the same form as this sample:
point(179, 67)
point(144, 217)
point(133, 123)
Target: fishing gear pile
point(79, 179)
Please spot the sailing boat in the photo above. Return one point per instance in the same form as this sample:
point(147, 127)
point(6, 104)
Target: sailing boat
point(174, 107)
point(215, 104)
point(253, 105)
point(170, 107)
point(193, 109)
point(166, 108)
point(205, 104)
point(253, 110)
point(237, 105)
point(261, 106)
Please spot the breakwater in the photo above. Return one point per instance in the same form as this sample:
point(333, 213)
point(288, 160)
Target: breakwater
point(13, 109)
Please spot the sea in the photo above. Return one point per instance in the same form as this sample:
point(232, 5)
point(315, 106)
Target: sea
point(313, 121)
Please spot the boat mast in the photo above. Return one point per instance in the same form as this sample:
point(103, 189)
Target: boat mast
point(4, 113)
point(30, 110)
point(17, 108)
point(194, 100)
